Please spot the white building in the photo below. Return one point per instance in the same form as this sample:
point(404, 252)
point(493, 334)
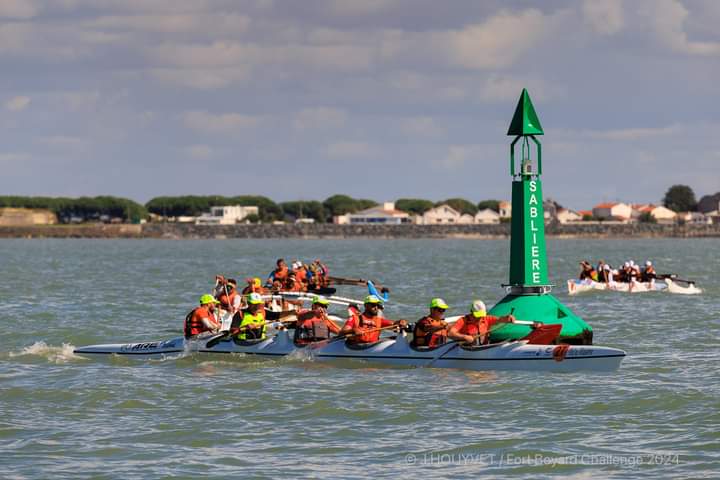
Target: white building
point(442, 214)
point(660, 214)
point(226, 215)
point(505, 209)
point(613, 211)
point(565, 215)
point(382, 214)
point(696, 218)
point(487, 215)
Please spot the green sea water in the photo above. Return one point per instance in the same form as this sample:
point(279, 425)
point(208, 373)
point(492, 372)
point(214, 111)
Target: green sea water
point(64, 416)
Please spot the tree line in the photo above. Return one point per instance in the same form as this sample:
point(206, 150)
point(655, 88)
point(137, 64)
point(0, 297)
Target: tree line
point(679, 198)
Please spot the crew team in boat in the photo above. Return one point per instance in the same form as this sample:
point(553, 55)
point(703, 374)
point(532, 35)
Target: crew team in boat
point(629, 272)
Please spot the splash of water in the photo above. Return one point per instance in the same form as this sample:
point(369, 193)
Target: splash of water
point(62, 354)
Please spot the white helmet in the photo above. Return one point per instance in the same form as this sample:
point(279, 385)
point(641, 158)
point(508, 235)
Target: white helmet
point(648, 263)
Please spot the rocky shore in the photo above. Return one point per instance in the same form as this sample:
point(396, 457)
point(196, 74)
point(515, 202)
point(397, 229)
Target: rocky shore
point(183, 231)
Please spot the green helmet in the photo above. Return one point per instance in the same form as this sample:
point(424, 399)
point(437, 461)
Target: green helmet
point(254, 299)
point(438, 303)
point(321, 300)
point(207, 298)
point(374, 299)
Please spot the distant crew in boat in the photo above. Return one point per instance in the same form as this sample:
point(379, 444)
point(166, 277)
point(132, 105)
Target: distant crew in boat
point(474, 328)
point(605, 274)
point(254, 285)
point(648, 273)
point(588, 272)
point(202, 319)
point(252, 319)
point(279, 274)
point(300, 272)
point(314, 325)
point(364, 328)
point(431, 330)
point(317, 275)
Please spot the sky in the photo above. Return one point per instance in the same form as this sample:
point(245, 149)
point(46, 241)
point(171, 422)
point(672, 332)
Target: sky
point(380, 99)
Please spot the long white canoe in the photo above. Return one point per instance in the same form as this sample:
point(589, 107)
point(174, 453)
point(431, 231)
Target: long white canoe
point(514, 355)
point(580, 286)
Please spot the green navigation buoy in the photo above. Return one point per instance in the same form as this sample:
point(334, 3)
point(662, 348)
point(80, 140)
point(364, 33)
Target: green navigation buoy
point(529, 295)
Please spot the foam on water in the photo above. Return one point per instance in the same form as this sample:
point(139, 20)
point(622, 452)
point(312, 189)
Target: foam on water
point(62, 354)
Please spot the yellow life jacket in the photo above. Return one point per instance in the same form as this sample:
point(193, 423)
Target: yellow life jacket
point(248, 320)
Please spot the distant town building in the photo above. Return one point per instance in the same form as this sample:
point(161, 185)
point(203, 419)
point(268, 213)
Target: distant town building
point(382, 214)
point(695, 218)
point(226, 215)
point(440, 215)
point(505, 209)
point(565, 215)
point(660, 214)
point(487, 215)
point(19, 217)
point(613, 211)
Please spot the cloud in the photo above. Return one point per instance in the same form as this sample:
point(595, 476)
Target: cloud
point(319, 118)
point(64, 142)
point(349, 150)
point(455, 157)
point(203, 121)
point(201, 78)
point(667, 19)
point(635, 133)
point(17, 104)
point(20, 9)
point(171, 23)
point(605, 17)
point(199, 152)
point(499, 41)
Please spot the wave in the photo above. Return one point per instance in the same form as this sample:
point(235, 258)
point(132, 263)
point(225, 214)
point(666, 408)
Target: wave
point(62, 354)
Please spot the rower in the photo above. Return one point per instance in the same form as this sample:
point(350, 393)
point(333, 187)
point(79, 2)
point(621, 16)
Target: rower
point(431, 330)
point(588, 272)
point(229, 297)
point(280, 272)
point(648, 273)
point(203, 318)
point(474, 328)
point(364, 328)
point(252, 324)
point(253, 285)
point(314, 325)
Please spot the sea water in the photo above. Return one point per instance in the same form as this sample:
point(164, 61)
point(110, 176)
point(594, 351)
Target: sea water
point(66, 416)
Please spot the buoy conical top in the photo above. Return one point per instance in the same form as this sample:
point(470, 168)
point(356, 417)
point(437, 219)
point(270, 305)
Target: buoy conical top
point(525, 121)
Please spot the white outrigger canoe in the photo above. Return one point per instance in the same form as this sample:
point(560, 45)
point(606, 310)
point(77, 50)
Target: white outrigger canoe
point(396, 351)
point(580, 286)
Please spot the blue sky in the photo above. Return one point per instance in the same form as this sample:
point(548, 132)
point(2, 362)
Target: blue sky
point(374, 98)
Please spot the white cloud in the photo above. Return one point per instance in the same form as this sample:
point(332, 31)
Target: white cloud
point(17, 104)
point(667, 19)
point(80, 101)
point(21, 9)
point(64, 142)
point(498, 42)
point(199, 152)
point(201, 78)
point(319, 118)
point(605, 17)
point(636, 133)
point(169, 23)
point(203, 121)
point(455, 157)
point(349, 150)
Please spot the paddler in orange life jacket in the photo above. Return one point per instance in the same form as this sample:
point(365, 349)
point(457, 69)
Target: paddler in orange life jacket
point(648, 273)
point(474, 328)
point(279, 274)
point(314, 325)
point(228, 297)
point(300, 272)
point(431, 331)
point(363, 328)
point(254, 285)
point(203, 318)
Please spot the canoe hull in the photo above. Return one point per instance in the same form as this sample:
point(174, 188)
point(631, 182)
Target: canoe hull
point(514, 355)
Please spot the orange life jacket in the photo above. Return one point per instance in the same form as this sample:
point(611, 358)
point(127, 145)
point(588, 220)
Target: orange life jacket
point(423, 338)
point(193, 321)
point(226, 301)
point(310, 327)
point(469, 325)
point(368, 323)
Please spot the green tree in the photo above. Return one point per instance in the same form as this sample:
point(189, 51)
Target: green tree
point(680, 198)
point(416, 206)
point(493, 205)
point(306, 209)
point(461, 205)
point(646, 217)
point(342, 204)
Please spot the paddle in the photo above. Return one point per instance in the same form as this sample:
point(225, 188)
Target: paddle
point(674, 278)
point(353, 281)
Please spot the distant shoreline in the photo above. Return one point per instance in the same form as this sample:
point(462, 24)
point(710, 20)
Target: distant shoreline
point(332, 231)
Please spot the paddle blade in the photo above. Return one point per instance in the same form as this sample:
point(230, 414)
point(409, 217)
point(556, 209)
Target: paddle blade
point(544, 334)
